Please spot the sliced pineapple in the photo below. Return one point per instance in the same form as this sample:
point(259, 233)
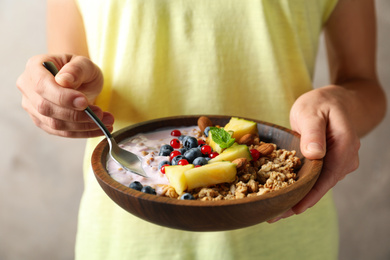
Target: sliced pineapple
point(224, 139)
point(234, 152)
point(213, 145)
point(241, 127)
point(176, 177)
point(210, 174)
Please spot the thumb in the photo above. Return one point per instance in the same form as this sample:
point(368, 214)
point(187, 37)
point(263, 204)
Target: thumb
point(313, 136)
point(82, 74)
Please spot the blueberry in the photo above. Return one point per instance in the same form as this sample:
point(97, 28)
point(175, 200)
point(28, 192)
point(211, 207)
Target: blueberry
point(206, 131)
point(162, 163)
point(190, 142)
point(183, 150)
point(165, 150)
point(176, 159)
point(187, 196)
point(192, 153)
point(149, 190)
point(136, 185)
point(182, 137)
point(200, 161)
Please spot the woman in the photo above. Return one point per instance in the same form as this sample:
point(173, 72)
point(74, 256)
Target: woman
point(247, 58)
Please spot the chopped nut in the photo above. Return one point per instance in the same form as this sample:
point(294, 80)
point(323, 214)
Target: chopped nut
point(241, 162)
point(265, 149)
point(247, 139)
point(204, 122)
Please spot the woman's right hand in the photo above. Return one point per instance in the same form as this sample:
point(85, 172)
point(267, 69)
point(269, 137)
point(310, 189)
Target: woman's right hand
point(56, 104)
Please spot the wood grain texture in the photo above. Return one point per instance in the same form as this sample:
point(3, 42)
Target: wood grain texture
point(207, 215)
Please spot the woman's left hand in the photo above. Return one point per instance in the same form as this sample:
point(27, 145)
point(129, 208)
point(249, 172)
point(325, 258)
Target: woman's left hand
point(322, 120)
point(331, 119)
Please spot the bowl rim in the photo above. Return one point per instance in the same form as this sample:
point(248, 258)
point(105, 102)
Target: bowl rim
point(99, 157)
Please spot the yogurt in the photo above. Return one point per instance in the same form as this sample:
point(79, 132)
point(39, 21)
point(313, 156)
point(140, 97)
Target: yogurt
point(147, 147)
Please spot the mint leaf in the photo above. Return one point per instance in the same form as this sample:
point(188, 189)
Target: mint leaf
point(221, 137)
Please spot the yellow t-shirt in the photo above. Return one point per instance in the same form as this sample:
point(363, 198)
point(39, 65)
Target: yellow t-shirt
point(160, 58)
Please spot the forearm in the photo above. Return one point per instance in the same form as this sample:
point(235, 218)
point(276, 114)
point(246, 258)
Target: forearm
point(65, 28)
point(350, 36)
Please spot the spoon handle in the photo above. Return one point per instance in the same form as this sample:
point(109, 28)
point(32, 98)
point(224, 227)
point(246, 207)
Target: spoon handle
point(92, 115)
point(53, 69)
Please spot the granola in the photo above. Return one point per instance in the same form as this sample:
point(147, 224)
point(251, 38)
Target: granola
point(269, 173)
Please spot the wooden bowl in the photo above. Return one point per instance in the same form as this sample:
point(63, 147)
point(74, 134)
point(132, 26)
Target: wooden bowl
point(194, 215)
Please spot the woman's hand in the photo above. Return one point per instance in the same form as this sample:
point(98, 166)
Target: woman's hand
point(56, 104)
point(321, 117)
point(331, 119)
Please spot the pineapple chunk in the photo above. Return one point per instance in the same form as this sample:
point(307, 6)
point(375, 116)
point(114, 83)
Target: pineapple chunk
point(241, 127)
point(176, 178)
point(213, 145)
point(210, 174)
point(234, 152)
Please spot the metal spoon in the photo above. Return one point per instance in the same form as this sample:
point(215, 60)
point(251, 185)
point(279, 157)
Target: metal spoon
point(126, 159)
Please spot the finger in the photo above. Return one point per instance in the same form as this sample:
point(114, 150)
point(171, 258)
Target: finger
point(82, 74)
point(77, 71)
point(66, 129)
point(36, 88)
point(60, 125)
point(312, 129)
point(286, 214)
point(312, 198)
point(326, 181)
point(43, 84)
point(38, 105)
point(78, 134)
point(335, 168)
point(81, 122)
point(343, 146)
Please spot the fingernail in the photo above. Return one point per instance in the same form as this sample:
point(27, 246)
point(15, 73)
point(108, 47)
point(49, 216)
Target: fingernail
point(65, 78)
point(79, 102)
point(274, 220)
point(314, 148)
point(288, 213)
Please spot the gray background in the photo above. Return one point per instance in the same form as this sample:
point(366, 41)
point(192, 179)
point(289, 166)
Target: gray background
point(40, 176)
